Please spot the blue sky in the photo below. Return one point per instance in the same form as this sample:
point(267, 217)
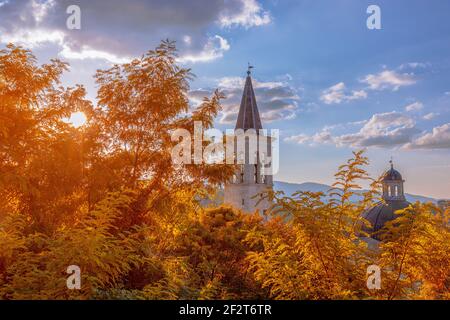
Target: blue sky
point(322, 77)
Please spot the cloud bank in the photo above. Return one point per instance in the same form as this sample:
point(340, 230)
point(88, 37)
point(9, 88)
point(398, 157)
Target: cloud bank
point(116, 30)
point(383, 130)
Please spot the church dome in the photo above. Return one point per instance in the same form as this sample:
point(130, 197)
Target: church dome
point(394, 200)
point(392, 175)
point(382, 213)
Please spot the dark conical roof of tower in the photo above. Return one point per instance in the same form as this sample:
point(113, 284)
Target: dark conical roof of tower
point(248, 117)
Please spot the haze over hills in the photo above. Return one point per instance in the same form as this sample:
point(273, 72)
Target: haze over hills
point(290, 188)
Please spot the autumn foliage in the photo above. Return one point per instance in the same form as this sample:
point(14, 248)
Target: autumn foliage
point(106, 197)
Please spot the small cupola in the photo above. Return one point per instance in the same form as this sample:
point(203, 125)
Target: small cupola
point(392, 183)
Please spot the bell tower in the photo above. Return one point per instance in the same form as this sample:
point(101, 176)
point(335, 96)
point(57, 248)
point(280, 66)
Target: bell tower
point(249, 181)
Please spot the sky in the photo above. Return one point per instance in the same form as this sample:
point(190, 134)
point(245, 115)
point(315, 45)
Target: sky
point(326, 81)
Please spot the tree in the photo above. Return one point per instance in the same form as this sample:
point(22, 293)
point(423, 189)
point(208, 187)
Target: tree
point(317, 254)
point(38, 150)
point(142, 103)
point(415, 254)
point(107, 198)
point(216, 250)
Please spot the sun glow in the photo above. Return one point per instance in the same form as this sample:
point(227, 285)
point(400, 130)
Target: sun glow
point(77, 119)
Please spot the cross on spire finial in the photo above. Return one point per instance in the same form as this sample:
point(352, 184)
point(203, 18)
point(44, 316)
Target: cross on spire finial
point(392, 162)
point(249, 70)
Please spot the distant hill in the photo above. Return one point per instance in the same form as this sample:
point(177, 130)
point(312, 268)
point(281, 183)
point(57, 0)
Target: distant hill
point(290, 188)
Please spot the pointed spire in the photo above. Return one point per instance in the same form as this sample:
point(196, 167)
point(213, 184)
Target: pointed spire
point(248, 117)
point(392, 163)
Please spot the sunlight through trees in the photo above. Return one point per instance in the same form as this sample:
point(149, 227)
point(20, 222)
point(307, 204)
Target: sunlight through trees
point(105, 196)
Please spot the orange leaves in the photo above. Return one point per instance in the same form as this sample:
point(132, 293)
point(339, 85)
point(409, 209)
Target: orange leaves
point(107, 198)
point(416, 254)
point(140, 103)
point(103, 253)
point(322, 257)
point(24, 80)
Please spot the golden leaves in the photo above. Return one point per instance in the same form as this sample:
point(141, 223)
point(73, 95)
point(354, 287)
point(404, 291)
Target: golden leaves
point(107, 198)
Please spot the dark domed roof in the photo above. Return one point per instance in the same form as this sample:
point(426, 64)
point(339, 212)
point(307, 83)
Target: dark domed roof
point(381, 213)
point(391, 175)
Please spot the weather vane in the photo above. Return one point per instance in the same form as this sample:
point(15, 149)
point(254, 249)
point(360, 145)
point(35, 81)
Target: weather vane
point(250, 67)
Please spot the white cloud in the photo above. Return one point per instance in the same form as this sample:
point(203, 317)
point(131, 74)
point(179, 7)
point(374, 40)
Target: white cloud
point(300, 139)
point(41, 9)
point(389, 79)
point(382, 122)
point(385, 130)
point(439, 138)
point(213, 49)
point(337, 94)
point(430, 116)
point(322, 137)
point(89, 53)
point(40, 37)
point(381, 130)
point(250, 15)
point(386, 79)
point(344, 125)
point(33, 38)
point(416, 106)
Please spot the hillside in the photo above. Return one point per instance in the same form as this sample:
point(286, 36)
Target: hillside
point(289, 188)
